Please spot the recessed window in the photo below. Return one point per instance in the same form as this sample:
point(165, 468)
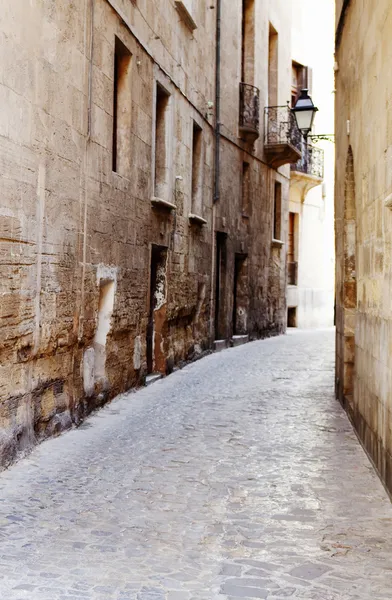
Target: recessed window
point(197, 170)
point(272, 67)
point(122, 109)
point(161, 143)
point(277, 232)
point(301, 78)
point(245, 188)
point(248, 41)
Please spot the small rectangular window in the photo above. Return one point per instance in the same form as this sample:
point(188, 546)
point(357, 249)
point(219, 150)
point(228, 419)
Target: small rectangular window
point(278, 211)
point(299, 80)
point(248, 41)
point(122, 109)
point(197, 170)
point(292, 265)
point(273, 67)
point(161, 143)
point(245, 188)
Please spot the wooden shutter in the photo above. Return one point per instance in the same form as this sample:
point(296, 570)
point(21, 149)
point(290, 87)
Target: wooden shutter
point(309, 79)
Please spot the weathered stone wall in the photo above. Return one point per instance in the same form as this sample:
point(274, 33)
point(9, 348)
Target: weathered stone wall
point(70, 225)
point(77, 238)
point(250, 232)
point(364, 224)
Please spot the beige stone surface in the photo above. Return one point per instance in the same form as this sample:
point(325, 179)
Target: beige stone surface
point(363, 225)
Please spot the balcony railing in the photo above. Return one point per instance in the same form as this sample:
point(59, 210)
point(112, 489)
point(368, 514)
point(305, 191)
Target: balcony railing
point(311, 162)
point(281, 127)
point(249, 110)
point(292, 273)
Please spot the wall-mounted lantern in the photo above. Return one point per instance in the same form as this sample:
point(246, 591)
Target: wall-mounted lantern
point(304, 111)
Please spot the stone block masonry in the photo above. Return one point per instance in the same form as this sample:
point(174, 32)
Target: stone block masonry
point(364, 225)
point(107, 161)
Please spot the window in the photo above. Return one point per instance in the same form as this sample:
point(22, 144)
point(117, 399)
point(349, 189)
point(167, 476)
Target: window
point(292, 265)
point(277, 211)
point(301, 79)
point(122, 106)
point(273, 67)
point(197, 170)
point(248, 41)
point(161, 180)
point(245, 188)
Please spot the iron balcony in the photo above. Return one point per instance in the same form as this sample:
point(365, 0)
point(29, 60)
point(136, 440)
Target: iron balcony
point(311, 162)
point(249, 124)
point(283, 140)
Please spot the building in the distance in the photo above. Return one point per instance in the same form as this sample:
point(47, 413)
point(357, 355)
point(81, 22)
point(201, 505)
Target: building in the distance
point(145, 150)
point(364, 222)
point(311, 249)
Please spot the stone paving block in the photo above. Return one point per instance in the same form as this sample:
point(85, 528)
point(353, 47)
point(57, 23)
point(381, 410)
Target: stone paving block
point(309, 571)
point(238, 591)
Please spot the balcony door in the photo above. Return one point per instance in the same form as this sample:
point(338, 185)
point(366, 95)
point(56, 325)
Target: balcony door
point(292, 265)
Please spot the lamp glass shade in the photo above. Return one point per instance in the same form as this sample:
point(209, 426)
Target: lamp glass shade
point(305, 119)
point(304, 111)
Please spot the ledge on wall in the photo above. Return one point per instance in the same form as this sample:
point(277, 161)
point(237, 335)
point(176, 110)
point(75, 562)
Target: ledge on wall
point(185, 14)
point(196, 219)
point(277, 243)
point(164, 204)
point(388, 201)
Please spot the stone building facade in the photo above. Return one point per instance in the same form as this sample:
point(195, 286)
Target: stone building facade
point(144, 203)
point(364, 222)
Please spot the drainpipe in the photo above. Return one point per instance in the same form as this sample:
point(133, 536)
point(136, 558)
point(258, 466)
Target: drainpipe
point(217, 161)
point(90, 70)
point(217, 99)
point(85, 165)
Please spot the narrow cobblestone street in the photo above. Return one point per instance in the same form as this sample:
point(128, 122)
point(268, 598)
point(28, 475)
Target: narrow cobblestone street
point(236, 477)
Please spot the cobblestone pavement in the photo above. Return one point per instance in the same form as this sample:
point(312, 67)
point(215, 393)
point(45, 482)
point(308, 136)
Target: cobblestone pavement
point(237, 477)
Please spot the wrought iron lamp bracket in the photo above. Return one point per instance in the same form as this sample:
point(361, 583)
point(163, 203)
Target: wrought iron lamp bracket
point(327, 137)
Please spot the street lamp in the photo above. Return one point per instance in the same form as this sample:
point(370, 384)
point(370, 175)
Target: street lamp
point(304, 111)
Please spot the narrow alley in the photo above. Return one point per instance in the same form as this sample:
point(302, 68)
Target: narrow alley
point(236, 477)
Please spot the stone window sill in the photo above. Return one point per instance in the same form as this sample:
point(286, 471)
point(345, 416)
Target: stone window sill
point(196, 219)
point(164, 204)
point(185, 14)
point(277, 243)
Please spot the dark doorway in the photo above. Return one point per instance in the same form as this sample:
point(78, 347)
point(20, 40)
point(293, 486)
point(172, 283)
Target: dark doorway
point(156, 359)
point(220, 280)
point(240, 303)
point(292, 317)
point(292, 264)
